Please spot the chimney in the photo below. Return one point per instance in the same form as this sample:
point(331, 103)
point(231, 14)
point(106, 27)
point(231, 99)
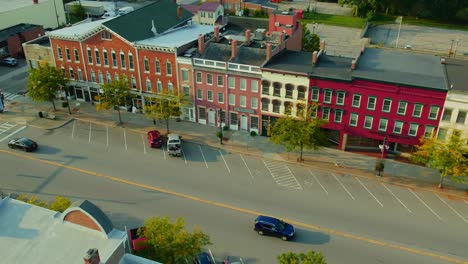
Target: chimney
point(314, 57)
point(353, 64)
point(179, 12)
point(268, 51)
point(92, 256)
point(216, 33)
point(281, 37)
point(247, 36)
point(35, 1)
point(234, 48)
point(322, 45)
point(201, 43)
point(442, 61)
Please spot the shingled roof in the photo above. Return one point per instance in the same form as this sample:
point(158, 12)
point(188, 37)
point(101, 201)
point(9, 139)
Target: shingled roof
point(137, 25)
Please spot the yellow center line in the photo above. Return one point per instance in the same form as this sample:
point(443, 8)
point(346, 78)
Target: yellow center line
point(239, 209)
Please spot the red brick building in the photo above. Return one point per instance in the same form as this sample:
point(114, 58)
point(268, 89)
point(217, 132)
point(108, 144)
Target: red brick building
point(12, 38)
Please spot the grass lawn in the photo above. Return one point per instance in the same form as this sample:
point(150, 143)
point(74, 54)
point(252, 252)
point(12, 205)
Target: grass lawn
point(385, 19)
point(344, 21)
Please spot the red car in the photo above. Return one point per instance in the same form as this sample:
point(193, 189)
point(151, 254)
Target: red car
point(154, 139)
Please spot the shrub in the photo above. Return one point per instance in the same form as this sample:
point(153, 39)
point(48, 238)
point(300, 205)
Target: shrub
point(225, 128)
point(64, 104)
point(219, 134)
point(253, 133)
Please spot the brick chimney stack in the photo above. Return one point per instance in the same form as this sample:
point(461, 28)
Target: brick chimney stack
point(35, 1)
point(314, 57)
point(353, 64)
point(216, 33)
point(268, 51)
point(201, 43)
point(179, 12)
point(282, 36)
point(234, 48)
point(322, 45)
point(92, 256)
point(247, 36)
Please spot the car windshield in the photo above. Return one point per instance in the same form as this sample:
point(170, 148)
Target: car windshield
point(280, 226)
point(26, 141)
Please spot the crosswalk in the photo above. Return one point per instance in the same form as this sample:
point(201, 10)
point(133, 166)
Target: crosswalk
point(282, 175)
point(9, 96)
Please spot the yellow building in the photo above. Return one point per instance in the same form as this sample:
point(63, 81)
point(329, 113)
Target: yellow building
point(38, 51)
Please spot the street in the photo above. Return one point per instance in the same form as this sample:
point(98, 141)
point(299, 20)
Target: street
point(349, 218)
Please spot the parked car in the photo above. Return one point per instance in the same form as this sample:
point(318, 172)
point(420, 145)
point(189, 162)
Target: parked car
point(270, 226)
point(174, 143)
point(154, 139)
point(125, 10)
point(11, 62)
point(202, 258)
point(136, 242)
point(24, 144)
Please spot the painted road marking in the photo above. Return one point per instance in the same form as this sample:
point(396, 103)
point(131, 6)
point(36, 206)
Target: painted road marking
point(203, 155)
point(144, 145)
point(125, 139)
point(164, 152)
point(89, 138)
point(282, 175)
point(313, 175)
point(425, 204)
point(369, 191)
point(390, 191)
point(248, 169)
point(73, 130)
point(239, 209)
point(12, 133)
point(224, 161)
point(185, 159)
point(10, 96)
point(5, 127)
point(343, 186)
point(107, 136)
point(449, 206)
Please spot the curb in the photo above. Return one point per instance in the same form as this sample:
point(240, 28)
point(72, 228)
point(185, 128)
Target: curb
point(62, 125)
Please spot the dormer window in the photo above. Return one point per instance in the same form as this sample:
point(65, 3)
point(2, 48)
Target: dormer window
point(106, 35)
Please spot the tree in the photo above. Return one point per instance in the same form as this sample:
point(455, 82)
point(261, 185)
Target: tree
point(77, 12)
point(299, 133)
point(170, 243)
point(164, 108)
point(44, 82)
point(450, 157)
point(60, 204)
point(310, 42)
point(362, 8)
point(115, 94)
point(310, 257)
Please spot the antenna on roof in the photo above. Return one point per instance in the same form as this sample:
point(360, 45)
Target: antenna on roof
point(153, 28)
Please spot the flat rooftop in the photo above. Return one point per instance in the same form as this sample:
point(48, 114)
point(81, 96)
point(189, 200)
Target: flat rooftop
point(9, 5)
point(457, 74)
point(178, 37)
point(78, 31)
point(5, 33)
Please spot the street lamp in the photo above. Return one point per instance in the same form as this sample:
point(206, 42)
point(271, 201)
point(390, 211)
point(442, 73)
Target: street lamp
point(380, 163)
point(220, 127)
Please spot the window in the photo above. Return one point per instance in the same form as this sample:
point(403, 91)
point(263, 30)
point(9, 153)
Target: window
point(356, 100)
point(220, 80)
point(232, 99)
point(93, 76)
point(433, 112)
point(301, 92)
point(253, 102)
point(108, 77)
point(185, 75)
point(461, 117)
point(199, 94)
point(353, 119)
point(168, 68)
point(198, 77)
point(315, 94)
point(210, 95)
point(59, 53)
point(101, 77)
point(383, 124)
point(387, 105)
point(106, 59)
point(77, 57)
point(327, 96)
point(243, 101)
point(402, 107)
point(243, 84)
point(116, 76)
point(398, 127)
point(201, 113)
point(413, 130)
point(148, 85)
point(209, 78)
point(80, 75)
point(417, 110)
point(326, 113)
point(122, 60)
point(428, 131)
point(130, 61)
point(63, 70)
point(90, 56)
point(368, 122)
point(289, 90)
point(98, 57)
point(253, 122)
point(313, 112)
point(114, 59)
point(67, 54)
point(340, 96)
point(106, 35)
point(170, 88)
point(134, 86)
point(233, 118)
point(254, 86)
point(186, 90)
point(146, 64)
point(157, 67)
point(159, 87)
point(442, 133)
point(371, 102)
point(265, 87)
point(276, 106)
point(447, 114)
point(72, 74)
point(338, 116)
point(220, 98)
point(277, 89)
point(231, 83)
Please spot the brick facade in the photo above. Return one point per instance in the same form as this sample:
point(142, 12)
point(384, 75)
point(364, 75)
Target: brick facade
point(80, 218)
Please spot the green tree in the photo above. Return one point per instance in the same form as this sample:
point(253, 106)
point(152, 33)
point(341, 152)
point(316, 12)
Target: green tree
point(450, 157)
point(164, 108)
point(168, 242)
point(115, 94)
point(362, 8)
point(77, 12)
point(299, 133)
point(44, 82)
point(60, 204)
point(310, 257)
point(310, 41)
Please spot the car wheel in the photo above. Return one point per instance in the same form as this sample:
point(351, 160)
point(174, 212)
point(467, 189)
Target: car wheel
point(285, 238)
point(10, 146)
point(260, 233)
point(25, 149)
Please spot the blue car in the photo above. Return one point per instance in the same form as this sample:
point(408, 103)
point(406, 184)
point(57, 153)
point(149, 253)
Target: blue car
point(270, 226)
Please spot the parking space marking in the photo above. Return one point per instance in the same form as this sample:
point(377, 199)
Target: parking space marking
point(73, 130)
point(449, 206)
point(5, 127)
point(369, 191)
point(390, 191)
point(225, 163)
point(107, 136)
point(203, 155)
point(12, 133)
point(248, 169)
point(282, 175)
point(343, 186)
point(164, 152)
point(89, 138)
point(313, 175)
point(144, 145)
point(10, 96)
point(125, 139)
point(185, 159)
point(466, 202)
point(425, 204)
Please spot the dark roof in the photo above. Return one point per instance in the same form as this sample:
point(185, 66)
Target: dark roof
point(209, 6)
point(137, 25)
point(457, 74)
point(249, 56)
point(332, 67)
point(13, 30)
point(217, 51)
point(191, 8)
point(401, 67)
point(264, 3)
point(291, 61)
point(248, 22)
point(43, 41)
point(96, 213)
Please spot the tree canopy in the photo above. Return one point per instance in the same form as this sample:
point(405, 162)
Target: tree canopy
point(115, 94)
point(60, 204)
point(44, 82)
point(450, 157)
point(310, 257)
point(164, 108)
point(77, 13)
point(168, 242)
point(310, 41)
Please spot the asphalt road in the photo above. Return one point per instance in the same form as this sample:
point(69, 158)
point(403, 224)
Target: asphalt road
point(349, 219)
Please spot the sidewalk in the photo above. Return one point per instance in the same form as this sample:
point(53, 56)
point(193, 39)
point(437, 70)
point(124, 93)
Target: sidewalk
point(399, 173)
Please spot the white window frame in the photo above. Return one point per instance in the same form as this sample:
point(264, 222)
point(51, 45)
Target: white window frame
point(330, 92)
point(395, 127)
point(426, 130)
point(114, 59)
point(420, 111)
point(399, 105)
point(369, 99)
point(123, 64)
point(315, 94)
point(340, 97)
point(208, 93)
point(71, 72)
point(353, 121)
point(146, 65)
point(336, 115)
point(359, 101)
point(232, 99)
point(233, 79)
point(411, 127)
point(386, 124)
point(208, 77)
point(254, 102)
point(437, 108)
point(148, 85)
point(131, 65)
point(168, 68)
point(243, 101)
point(243, 84)
point(327, 116)
point(371, 121)
point(185, 75)
point(59, 53)
point(198, 77)
point(220, 97)
point(159, 88)
point(105, 58)
point(68, 54)
point(157, 67)
point(254, 86)
point(389, 105)
point(89, 54)
point(97, 56)
point(199, 94)
point(76, 55)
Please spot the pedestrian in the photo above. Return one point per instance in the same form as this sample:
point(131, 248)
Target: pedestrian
point(2, 97)
point(154, 121)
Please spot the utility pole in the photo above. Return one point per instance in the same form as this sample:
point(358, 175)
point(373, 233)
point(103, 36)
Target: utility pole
point(220, 127)
point(451, 47)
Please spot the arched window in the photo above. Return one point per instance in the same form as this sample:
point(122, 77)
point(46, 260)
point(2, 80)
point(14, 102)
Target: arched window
point(265, 104)
point(277, 88)
point(288, 108)
point(276, 106)
point(265, 87)
point(289, 90)
point(301, 92)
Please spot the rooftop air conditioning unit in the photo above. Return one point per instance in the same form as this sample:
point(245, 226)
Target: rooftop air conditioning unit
point(259, 34)
point(277, 24)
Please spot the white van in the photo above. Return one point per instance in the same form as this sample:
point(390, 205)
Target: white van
point(174, 143)
point(125, 10)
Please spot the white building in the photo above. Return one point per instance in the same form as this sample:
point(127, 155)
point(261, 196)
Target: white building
point(47, 13)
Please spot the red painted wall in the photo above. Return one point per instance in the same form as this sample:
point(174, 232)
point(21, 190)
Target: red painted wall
point(164, 78)
point(72, 63)
point(14, 46)
point(283, 20)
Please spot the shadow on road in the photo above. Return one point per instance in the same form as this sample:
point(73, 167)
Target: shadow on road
point(304, 236)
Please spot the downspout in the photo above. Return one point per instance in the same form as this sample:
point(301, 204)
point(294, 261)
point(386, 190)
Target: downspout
point(139, 78)
point(84, 61)
point(177, 77)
